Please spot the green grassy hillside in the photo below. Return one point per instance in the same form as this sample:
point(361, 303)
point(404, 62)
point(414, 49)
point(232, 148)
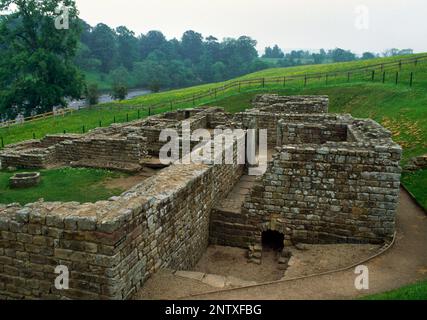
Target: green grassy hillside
point(91, 118)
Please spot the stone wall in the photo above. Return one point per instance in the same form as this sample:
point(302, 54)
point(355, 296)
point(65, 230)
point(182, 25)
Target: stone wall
point(300, 133)
point(417, 163)
point(117, 147)
point(111, 247)
point(100, 151)
point(332, 179)
point(328, 195)
point(103, 152)
point(291, 104)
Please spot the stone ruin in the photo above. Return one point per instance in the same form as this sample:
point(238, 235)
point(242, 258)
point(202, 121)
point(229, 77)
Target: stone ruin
point(330, 179)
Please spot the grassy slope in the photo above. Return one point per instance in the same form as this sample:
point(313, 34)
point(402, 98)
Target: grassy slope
point(67, 184)
point(416, 183)
point(90, 118)
point(416, 291)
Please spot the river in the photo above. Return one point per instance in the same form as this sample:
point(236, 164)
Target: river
point(104, 98)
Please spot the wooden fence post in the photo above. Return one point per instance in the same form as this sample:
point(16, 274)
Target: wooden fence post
point(397, 77)
point(2, 142)
point(373, 75)
point(384, 77)
point(411, 79)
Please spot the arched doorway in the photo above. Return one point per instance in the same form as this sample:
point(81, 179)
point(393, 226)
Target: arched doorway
point(273, 241)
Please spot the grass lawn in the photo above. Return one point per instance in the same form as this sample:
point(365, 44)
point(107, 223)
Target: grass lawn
point(416, 183)
point(65, 184)
point(416, 291)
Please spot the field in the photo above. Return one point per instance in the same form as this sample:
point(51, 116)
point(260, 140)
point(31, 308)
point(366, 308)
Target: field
point(67, 184)
point(416, 291)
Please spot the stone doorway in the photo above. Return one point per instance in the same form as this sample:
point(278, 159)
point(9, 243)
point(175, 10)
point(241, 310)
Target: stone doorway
point(273, 241)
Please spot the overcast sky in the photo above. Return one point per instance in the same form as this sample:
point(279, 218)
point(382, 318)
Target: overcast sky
point(369, 25)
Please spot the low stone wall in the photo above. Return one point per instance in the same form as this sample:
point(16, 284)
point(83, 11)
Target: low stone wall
point(417, 163)
point(300, 133)
point(291, 104)
point(111, 247)
point(103, 152)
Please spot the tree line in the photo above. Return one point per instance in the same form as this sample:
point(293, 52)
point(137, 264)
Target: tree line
point(301, 57)
point(42, 65)
point(151, 61)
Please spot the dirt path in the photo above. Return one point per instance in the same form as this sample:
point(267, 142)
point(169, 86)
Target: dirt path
point(405, 263)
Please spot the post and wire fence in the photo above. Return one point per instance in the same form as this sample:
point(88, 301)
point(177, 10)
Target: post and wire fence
point(381, 73)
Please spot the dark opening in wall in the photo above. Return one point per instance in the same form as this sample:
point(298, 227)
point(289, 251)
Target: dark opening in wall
point(187, 115)
point(273, 240)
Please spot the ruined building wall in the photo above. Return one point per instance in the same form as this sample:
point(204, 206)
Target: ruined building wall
point(300, 133)
point(111, 247)
point(337, 181)
point(104, 152)
point(291, 104)
point(326, 195)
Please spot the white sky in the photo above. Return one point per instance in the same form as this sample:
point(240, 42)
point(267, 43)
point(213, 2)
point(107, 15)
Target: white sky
point(296, 24)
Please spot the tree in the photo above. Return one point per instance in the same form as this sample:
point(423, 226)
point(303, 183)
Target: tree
point(192, 46)
point(120, 76)
point(36, 56)
point(397, 52)
point(103, 46)
point(275, 52)
point(150, 42)
point(127, 46)
point(148, 72)
point(119, 92)
point(368, 55)
point(341, 55)
point(92, 94)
